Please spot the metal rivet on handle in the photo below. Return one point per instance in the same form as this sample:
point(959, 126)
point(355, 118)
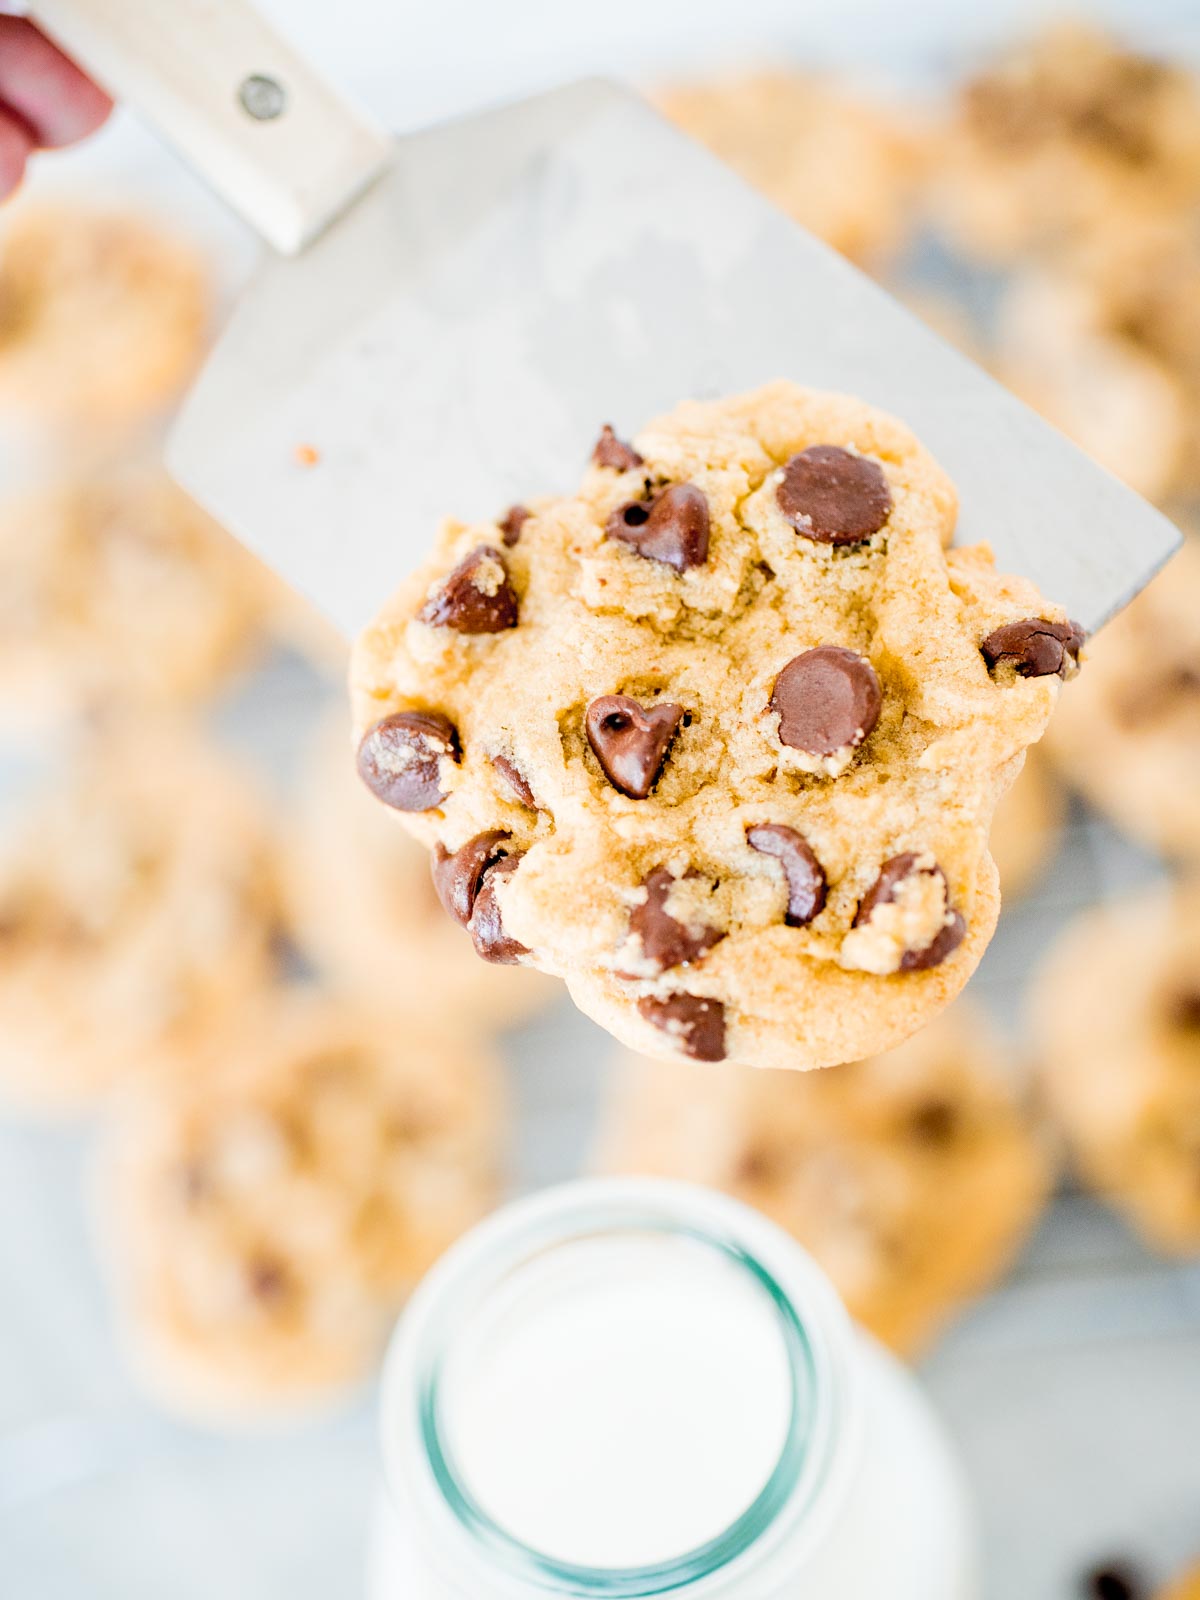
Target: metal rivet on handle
point(262, 97)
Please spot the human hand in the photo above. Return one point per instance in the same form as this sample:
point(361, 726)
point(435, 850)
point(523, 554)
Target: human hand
point(45, 100)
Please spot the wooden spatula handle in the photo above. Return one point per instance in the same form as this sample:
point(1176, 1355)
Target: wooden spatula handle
point(236, 100)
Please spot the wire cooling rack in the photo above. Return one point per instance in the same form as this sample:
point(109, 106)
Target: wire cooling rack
point(1073, 1391)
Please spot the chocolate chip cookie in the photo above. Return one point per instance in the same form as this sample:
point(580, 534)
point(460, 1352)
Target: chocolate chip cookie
point(103, 315)
point(362, 905)
point(1116, 1023)
point(268, 1208)
point(844, 168)
point(137, 903)
point(912, 1177)
point(1066, 134)
point(719, 739)
point(1119, 402)
point(116, 586)
point(1110, 329)
point(1128, 735)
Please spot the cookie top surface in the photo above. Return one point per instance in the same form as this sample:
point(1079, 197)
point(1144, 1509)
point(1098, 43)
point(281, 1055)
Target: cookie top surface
point(362, 904)
point(804, 655)
point(1116, 1026)
point(1128, 734)
point(267, 1210)
point(911, 1177)
point(137, 898)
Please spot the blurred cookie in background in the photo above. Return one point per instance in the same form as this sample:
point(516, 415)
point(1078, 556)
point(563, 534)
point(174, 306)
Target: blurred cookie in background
point(137, 901)
point(1069, 132)
point(1116, 398)
point(362, 905)
point(844, 167)
point(1116, 1027)
point(912, 1177)
point(116, 585)
point(1027, 826)
point(1128, 735)
point(266, 1208)
point(1134, 290)
point(103, 315)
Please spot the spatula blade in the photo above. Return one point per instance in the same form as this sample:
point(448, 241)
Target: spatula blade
point(519, 277)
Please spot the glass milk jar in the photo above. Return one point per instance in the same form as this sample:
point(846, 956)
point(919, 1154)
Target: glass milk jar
point(629, 1387)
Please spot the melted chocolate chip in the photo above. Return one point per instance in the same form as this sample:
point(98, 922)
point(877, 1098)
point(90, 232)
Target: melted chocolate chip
point(400, 758)
point(487, 927)
point(1034, 648)
point(515, 779)
point(477, 597)
point(457, 877)
point(883, 891)
point(672, 528)
point(696, 1025)
point(613, 452)
point(666, 942)
point(511, 523)
point(803, 873)
point(828, 700)
point(631, 741)
point(833, 496)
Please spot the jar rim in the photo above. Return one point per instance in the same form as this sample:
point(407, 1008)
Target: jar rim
point(604, 1208)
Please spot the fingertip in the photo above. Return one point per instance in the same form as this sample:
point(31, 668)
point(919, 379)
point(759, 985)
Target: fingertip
point(55, 99)
point(16, 147)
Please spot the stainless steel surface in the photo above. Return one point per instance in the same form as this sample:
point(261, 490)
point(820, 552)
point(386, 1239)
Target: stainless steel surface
point(1073, 1391)
point(519, 277)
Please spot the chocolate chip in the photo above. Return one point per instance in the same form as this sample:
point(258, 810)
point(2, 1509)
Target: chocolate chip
point(631, 741)
point(1034, 648)
point(671, 528)
point(487, 928)
point(267, 1280)
point(934, 1122)
point(696, 1025)
point(515, 779)
point(1185, 1010)
point(457, 877)
point(759, 1164)
point(833, 496)
point(1114, 1580)
point(477, 597)
point(613, 452)
point(802, 872)
point(883, 891)
point(828, 700)
point(195, 1182)
point(400, 758)
point(511, 523)
point(666, 942)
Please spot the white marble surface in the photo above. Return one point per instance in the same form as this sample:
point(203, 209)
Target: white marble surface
point(1074, 1392)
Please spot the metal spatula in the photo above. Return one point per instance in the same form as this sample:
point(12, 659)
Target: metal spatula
point(448, 318)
